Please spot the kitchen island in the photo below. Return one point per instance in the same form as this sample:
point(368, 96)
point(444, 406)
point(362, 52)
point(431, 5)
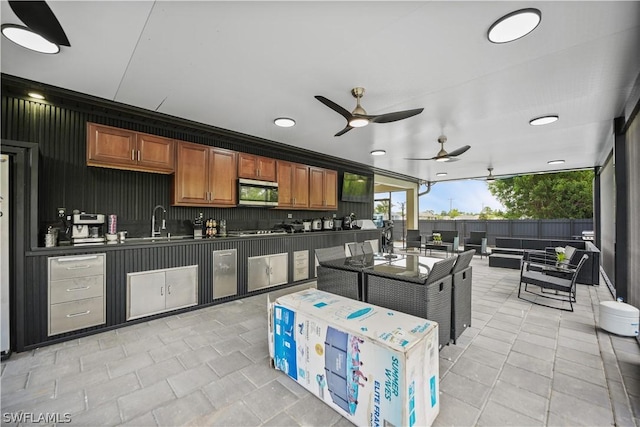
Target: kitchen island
point(128, 262)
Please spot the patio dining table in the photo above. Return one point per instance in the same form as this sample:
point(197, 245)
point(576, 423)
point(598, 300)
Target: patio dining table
point(401, 265)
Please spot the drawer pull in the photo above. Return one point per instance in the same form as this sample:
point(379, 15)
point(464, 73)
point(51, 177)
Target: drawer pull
point(84, 313)
point(77, 258)
point(79, 267)
point(80, 288)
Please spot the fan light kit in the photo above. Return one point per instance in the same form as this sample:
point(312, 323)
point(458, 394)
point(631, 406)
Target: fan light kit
point(514, 25)
point(555, 162)
point(378, 152)
point(359, 118)
point(22, 36)
point(284, 122)
point(544, 120)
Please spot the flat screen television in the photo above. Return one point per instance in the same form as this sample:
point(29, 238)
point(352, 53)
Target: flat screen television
point(357, 188)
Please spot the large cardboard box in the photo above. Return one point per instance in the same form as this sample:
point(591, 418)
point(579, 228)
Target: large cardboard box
point(372, 365)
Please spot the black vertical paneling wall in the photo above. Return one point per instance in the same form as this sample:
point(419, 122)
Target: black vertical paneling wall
point(58, 127)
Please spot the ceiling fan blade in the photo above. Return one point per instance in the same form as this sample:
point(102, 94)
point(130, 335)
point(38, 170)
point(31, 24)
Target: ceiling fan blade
point(459, 151)
point(335, 107)
point(416, 158)
point(346, 129)
point(39, 18)
point(393, 117)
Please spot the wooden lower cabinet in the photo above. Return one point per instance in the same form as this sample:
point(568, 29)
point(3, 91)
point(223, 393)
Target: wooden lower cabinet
point(205, 176)
point(158, 291)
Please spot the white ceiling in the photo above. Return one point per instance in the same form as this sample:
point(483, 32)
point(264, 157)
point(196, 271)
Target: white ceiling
point(238, 65)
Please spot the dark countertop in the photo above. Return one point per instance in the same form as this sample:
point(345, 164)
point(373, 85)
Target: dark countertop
point(131, 242)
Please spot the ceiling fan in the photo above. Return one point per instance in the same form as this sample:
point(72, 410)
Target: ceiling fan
point(442, 155)
point(39, 18)
point(359, 117)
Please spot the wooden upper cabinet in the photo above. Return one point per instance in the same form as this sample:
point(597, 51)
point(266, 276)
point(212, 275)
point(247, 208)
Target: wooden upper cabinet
point(223, 177)
point(116, 148)
point(323, 189)
point(155, 152)
point(256, 167)
point(205, 176)
point(191, 181)
point(293, 185)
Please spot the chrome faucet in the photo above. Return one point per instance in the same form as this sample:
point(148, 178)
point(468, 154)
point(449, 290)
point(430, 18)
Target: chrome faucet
point(155, 233)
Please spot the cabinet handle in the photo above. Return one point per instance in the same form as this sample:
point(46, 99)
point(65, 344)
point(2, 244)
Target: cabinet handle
point(168, 289)
point(81, 288)
point(138, 155)
point(77, 258)
point(78, 267)
point(133, 152)
point(84, 313)
point(161, 290)
point(226, 254)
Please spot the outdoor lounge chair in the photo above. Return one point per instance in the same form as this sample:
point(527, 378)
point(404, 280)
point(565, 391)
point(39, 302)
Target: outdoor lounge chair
point(414, 239)
point(477, 241)
point(551, 284)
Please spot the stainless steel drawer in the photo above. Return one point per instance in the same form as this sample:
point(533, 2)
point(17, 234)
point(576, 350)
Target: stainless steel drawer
point(76, 288)
point(69, 316)
point(67, 267)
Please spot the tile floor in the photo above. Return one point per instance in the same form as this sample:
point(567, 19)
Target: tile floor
point(519, 364)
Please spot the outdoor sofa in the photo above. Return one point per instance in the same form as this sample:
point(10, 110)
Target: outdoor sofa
point(509, 252)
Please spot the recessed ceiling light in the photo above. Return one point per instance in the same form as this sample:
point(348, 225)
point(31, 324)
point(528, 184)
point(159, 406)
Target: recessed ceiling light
point(26, 38)
point(555, 162)
point(284, 122)
point(544, 120)
point(441, 174)
point(514, 25)
point(378, 153)
point(35, 95)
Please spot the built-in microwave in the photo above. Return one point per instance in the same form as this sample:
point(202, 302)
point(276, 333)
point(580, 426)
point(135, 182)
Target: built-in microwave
point(252, 192)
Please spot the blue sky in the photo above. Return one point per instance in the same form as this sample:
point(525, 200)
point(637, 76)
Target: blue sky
point(466, 195)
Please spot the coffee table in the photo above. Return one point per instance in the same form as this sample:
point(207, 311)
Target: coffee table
point(442, 246)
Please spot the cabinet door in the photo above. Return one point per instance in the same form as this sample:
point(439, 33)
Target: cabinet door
point(300, 186)
point(256, 167)
point(145, 294)
point(155, 153)
point(278, 269)
point(286, 184)
point(259, 273)
point(316, 184)
point(266, 169)
point(247, 166)
point(181, 286)
point(223, 177)
point(190, 182)
point(110, 147)
point(330, 189)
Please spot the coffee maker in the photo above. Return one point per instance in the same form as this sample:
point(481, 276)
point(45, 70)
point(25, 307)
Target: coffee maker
point(87, 229)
